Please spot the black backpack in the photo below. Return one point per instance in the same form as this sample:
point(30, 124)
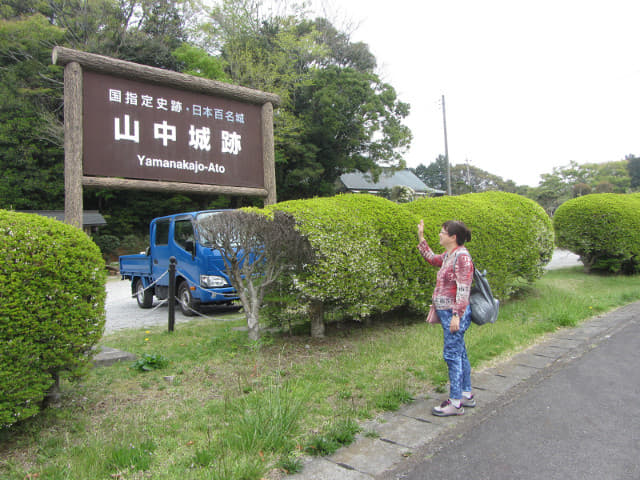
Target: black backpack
point(484, 308)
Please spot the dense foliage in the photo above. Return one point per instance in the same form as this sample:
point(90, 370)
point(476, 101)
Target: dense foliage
point(512, 236)
point(336, 114)
point(573, 180)
point(603, 229)
point(465, 178)
point(562, 184)
point(363, 262)
point(51, 308)
point(30, 146)
point(366, 256)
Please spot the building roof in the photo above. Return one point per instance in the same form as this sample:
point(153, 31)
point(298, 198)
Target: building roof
point(359, 181)
point(90, 218)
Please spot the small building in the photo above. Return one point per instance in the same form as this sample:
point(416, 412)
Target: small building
point(91, 219)
point(358, 182)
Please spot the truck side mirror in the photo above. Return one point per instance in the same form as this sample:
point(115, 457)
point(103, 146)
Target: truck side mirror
point(189, 246)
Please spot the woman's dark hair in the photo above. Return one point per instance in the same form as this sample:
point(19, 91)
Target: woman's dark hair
point(459, 229)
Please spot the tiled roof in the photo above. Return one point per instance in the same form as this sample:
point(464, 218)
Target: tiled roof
point(363, 181)
point(90, 218)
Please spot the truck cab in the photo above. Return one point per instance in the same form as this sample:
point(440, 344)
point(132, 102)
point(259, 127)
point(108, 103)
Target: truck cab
point(201, 278)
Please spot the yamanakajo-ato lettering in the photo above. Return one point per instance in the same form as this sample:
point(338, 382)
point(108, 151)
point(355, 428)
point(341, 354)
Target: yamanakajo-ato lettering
point(145, 161)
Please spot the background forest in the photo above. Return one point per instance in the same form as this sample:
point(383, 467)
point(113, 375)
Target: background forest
point(337, 115)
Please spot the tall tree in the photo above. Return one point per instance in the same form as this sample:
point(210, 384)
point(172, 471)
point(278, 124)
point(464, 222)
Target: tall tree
point(633, 167)
point(468, 179)
point(31, 128)
point(341, 112)
point(335, 116)
point(435, 174)
point(610, 177)
point(30, 110)
point(464, 178)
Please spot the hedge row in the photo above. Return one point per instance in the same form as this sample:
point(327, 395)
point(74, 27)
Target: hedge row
point(366, 255)
point(512, 236)
point(603, 229)
point(51, 308)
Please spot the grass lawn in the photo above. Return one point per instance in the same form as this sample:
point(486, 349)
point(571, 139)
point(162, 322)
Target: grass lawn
point(205, 403)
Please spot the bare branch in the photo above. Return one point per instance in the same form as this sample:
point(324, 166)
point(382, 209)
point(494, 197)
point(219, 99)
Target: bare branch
point(256, 250)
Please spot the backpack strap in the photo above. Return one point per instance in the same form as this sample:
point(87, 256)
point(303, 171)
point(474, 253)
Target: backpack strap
point(456, 260)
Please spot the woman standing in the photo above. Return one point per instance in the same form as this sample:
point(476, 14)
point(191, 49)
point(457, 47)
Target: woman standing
point(451, 301)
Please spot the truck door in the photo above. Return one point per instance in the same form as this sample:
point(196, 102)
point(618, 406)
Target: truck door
point(160, 250)
point(185, 250)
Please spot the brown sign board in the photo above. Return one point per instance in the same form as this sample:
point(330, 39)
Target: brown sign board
point(139, 130)
point(132, 126)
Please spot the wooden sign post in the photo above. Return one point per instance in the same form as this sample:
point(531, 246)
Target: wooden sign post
point(131, 126)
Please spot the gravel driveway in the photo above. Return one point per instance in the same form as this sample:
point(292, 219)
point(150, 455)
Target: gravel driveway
point(123, 311)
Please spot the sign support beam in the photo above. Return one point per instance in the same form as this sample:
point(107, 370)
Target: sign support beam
point(73, 144)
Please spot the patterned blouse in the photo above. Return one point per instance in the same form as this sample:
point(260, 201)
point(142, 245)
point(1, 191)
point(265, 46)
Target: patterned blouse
point(453, 284)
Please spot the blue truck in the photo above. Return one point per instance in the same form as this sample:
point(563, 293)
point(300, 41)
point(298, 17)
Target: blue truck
point(200, 271)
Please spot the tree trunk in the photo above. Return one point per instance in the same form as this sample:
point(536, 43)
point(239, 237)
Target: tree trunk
point(53, 395)
point(316, 311)
point(253, 326)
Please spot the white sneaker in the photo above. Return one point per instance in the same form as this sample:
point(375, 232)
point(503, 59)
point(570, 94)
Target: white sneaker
point(447, 409)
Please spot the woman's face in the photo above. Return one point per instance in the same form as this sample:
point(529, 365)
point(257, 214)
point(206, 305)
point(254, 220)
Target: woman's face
point(446, 240)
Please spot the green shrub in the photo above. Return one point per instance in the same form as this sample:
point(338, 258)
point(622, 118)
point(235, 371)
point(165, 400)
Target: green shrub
point(51, 308)
point(150, 361)
point(512, 236)
point(603, 229)
point(132, 244)
point(108, 244)
point(363, 261)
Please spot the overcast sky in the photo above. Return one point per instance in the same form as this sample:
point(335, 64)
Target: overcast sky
point(528, 85)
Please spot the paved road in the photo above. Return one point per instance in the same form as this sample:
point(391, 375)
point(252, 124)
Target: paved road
point(563, 258)
point(579, 419)
point(565, 408)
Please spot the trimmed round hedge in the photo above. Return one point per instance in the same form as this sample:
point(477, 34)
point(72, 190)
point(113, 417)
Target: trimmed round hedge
point(361, 253)
point(512, 236)
point(52, 295)
point(603, 229)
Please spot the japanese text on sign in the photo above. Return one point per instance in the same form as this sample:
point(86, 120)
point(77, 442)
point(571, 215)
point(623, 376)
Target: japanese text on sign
point(147, 131)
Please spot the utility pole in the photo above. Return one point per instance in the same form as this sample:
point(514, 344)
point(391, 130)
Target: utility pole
point(446, 147)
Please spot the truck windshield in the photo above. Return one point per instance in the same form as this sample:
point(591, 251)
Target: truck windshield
point(203, 234)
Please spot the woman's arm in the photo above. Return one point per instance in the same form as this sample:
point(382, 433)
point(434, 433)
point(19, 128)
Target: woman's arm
point(428, 255)
point(463, 272)
point(425, 250)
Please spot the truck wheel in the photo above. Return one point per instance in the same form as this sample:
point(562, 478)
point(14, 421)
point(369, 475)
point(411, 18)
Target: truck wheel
point(144, 297)
point(185, 300)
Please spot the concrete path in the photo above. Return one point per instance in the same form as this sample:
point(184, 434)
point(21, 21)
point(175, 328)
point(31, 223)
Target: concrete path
point(562, 259)
point(565, 408)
